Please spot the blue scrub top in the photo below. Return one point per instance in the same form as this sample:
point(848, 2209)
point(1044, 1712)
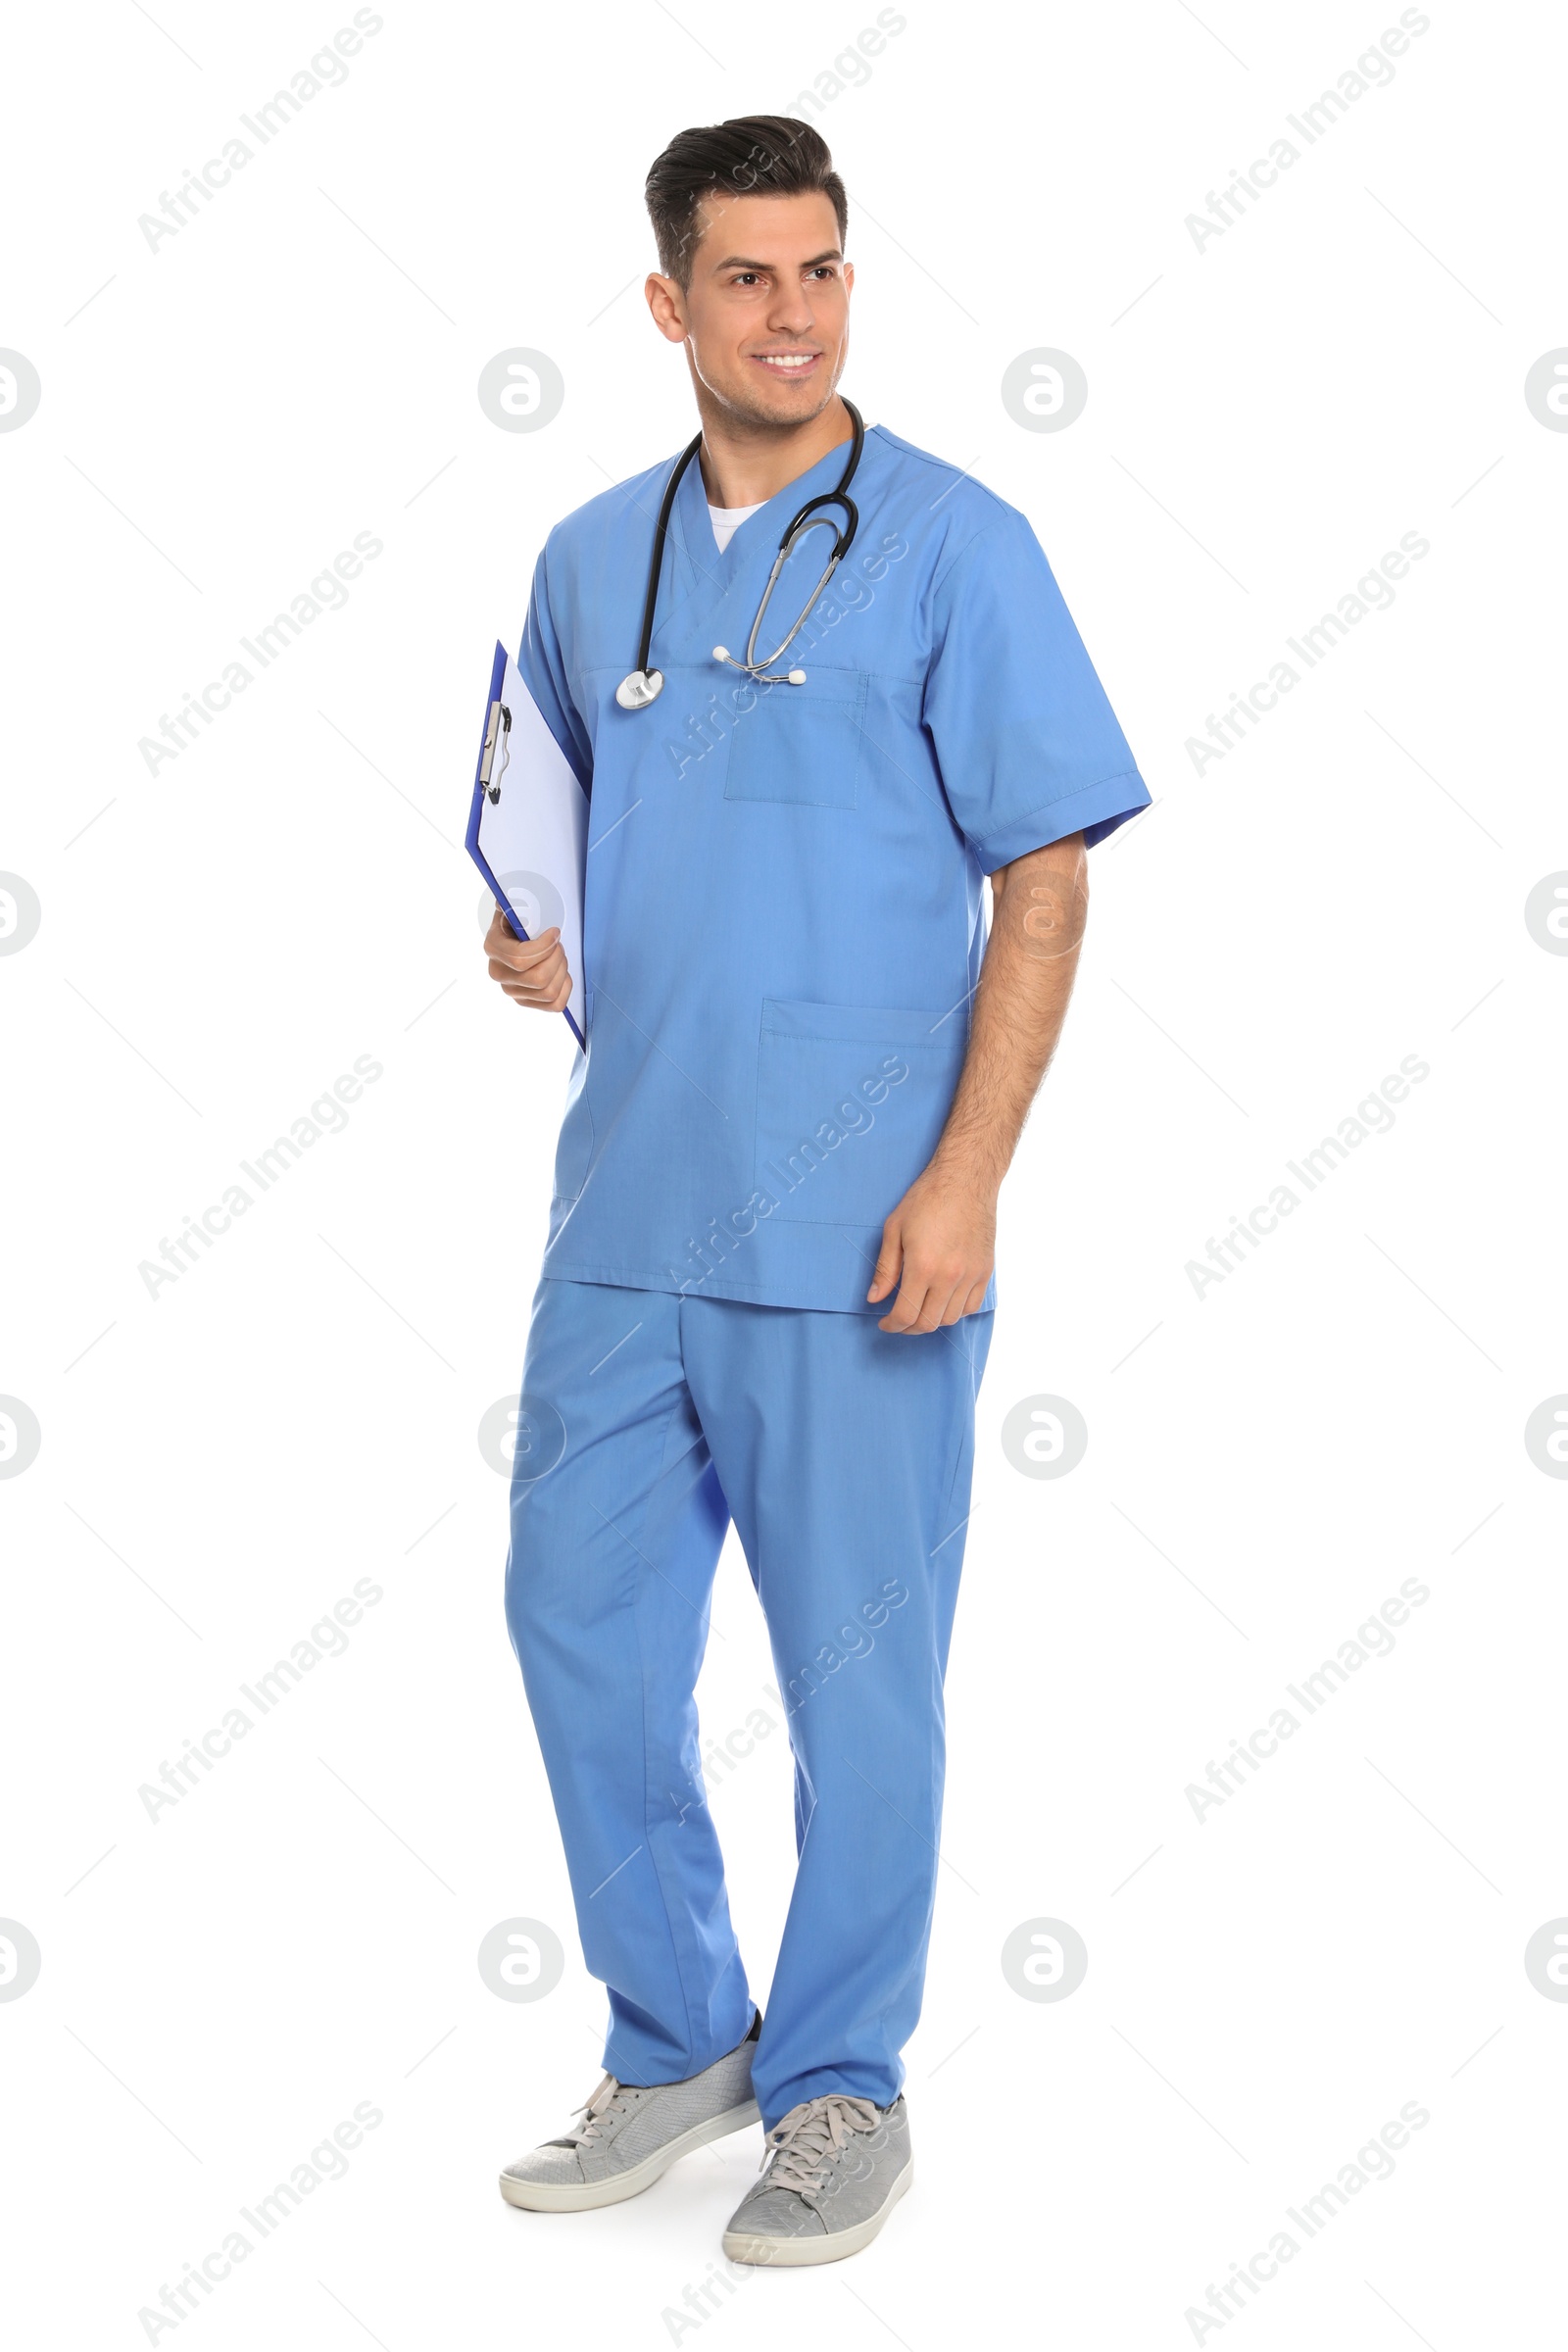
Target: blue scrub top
point(783, 915)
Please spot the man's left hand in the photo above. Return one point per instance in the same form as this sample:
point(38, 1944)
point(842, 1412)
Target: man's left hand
point(939, 1247)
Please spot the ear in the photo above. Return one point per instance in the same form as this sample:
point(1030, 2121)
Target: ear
point(669, 307)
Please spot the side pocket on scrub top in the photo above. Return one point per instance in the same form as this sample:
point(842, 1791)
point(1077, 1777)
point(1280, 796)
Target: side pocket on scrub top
point(851, 1099)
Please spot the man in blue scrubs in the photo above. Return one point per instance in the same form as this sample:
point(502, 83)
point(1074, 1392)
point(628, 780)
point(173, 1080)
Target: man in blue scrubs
point(767, 1292)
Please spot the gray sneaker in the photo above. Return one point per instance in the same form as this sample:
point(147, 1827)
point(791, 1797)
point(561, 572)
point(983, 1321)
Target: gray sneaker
point(626, 2138)
point(837, 2167)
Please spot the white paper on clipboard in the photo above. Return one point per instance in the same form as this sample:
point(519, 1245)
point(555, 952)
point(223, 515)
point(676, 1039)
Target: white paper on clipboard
point(528, 830)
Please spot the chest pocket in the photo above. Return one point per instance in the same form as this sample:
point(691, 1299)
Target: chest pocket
point(801, 743)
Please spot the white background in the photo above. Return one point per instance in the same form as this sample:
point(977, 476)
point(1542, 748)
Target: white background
point(1266, 1463)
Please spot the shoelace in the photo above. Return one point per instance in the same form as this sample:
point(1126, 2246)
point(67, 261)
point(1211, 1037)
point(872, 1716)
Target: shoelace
point(805, 2144)
point(583, 2135)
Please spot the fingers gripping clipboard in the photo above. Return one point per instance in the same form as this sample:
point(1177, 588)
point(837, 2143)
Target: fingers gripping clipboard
point(528, 825)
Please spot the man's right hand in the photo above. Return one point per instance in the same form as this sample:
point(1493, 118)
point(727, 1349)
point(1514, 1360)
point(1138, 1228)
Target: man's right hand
point(531, 972)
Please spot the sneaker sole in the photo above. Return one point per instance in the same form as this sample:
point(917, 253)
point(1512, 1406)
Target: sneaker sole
point(583, 2196)
point(794, 2253)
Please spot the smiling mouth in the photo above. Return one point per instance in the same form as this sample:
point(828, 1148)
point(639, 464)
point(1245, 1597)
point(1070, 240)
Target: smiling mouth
point(787, 363)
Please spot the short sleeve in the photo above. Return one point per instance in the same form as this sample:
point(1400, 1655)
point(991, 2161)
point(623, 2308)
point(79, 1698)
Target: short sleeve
point(542, 668)
point(1027, 743)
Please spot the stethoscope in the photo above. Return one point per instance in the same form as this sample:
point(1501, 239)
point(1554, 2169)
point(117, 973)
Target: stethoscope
point(644, 685)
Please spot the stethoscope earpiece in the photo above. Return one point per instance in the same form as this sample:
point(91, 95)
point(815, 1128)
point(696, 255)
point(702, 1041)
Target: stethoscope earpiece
point(643, 685)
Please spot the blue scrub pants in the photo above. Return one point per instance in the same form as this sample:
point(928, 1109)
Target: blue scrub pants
point(844, 1455)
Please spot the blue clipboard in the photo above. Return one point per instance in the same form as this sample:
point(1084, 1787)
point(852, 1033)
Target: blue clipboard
point(528, 825)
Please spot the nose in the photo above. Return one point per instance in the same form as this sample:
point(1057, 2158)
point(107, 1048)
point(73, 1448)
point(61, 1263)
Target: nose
point(790, 313)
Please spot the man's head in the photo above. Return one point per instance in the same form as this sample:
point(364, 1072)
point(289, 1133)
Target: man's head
point(750, 220)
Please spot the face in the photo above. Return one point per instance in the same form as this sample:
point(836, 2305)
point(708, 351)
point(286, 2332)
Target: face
point(766, 319)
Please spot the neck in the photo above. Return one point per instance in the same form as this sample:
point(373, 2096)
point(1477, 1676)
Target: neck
point(743, 463)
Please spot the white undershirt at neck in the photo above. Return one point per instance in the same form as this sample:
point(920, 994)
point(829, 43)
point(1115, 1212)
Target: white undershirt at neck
point(727, 520)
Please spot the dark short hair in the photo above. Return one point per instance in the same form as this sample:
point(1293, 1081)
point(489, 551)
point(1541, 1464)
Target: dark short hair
point(754, 155)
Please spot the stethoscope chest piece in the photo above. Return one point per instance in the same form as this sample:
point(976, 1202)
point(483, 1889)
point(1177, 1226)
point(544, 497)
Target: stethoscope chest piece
point(642, 687)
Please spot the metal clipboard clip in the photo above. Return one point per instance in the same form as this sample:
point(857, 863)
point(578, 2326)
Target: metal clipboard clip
point(497, 736)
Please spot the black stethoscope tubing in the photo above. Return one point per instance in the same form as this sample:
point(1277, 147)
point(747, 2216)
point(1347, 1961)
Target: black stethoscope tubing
point(843, 540)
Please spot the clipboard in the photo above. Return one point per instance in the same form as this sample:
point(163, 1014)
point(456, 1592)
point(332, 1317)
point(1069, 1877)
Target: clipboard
point(528, 824)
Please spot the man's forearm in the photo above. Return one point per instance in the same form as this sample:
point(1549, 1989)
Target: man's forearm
point(1039, 907)
point(939, 1243)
